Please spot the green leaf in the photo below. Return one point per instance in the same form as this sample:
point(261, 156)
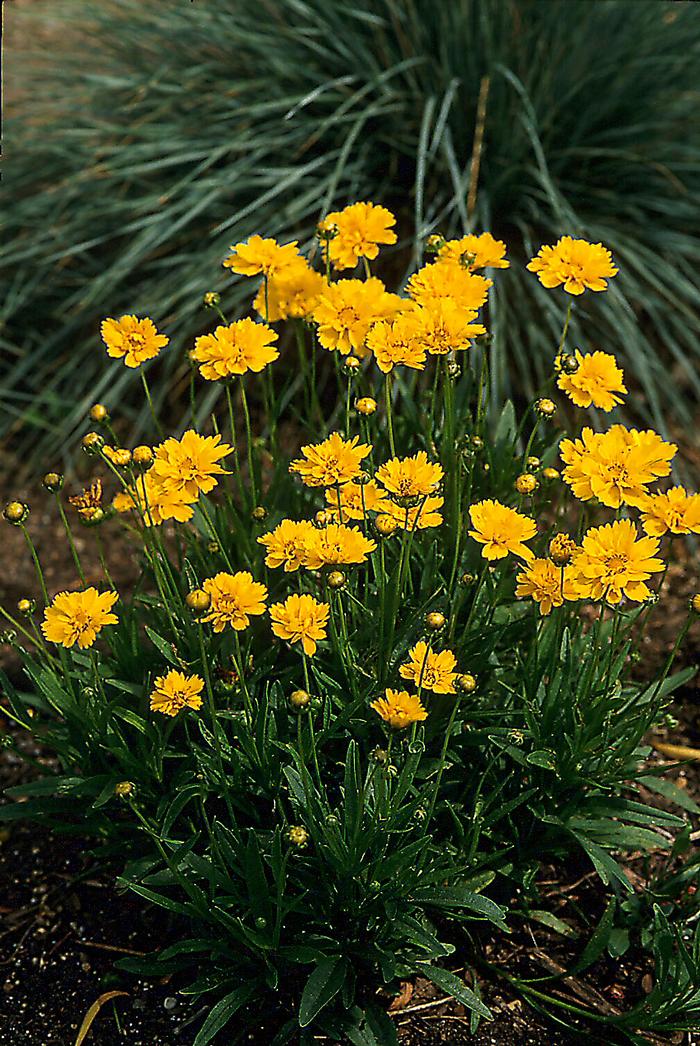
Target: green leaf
point(598, 941)
point(323, 985)
point(550, 920)
point(669, 790)
point(219, 1016)
point(164, 647)
point(456, 988)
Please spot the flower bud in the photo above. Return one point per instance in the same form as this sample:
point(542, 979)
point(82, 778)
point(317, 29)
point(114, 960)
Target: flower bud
point(466, 682)
point(561, 549)
point(434, 243)
point(26, 607)
point(327, 230)
point(213, 547)
point(123, 789)
point(16, 512)
point(53, 481)
point(119, 456)
point(434, 621)
point(99, 413)
point(323, 517)
point(336, 579)
point(695, 603)
point(259, 514)
point(526, 483)
point(92, 443)
point(385, 526)
point(362, 478)
point(476, 443)
point(365, 406)
point(94, 519)
point(211, 299)
point(198, 601)
point(533, 463)
point(568, 363)
point(299, 699)
point(142, 457)
point(546, 408)
point(297, 835)
point(467, 580)
point(550, 473)
point(351, 366)
point(380, 755)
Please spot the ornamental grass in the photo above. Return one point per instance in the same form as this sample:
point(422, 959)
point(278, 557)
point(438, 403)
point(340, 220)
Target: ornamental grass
point(376, 672)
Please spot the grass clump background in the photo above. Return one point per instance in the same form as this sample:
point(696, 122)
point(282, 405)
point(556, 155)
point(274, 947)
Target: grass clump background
point(147, 138)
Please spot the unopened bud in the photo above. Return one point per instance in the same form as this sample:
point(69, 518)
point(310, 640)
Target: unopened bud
point(53, 481)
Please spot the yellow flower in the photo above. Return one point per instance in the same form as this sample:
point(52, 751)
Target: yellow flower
point(78, 617)
point(359, 229)
point(155, 502)
point(446, 327)
point(336, 544)
point(444, 279)
point(562, 549)
point(288, 544)
point(190, 465)
point(234, 598)
point(89, 503)
point(333, 461)
point(399, 708)
point(615, 466)
point(575, 263)
point(356, 500)
point(501, 530)
point(596, 382)
point(417, 517)
point(613, 562)
point(485, 252)
point(132, 340)
point(394, 342)
point(261, 256)
point(300, 619)
point(236, 349)
point(346, 310)
point(430, 670)
point(673, 511)
point(546, 583)
point(292, 293)
point(410, 477)
point(119, 456)
point(175, 691)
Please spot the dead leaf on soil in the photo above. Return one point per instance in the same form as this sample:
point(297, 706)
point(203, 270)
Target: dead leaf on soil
point(92, 1013)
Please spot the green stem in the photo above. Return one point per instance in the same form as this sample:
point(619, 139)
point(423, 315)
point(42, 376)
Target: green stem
point(147, 391)
point(249, 441)
point(389, 417)
point(69, 535)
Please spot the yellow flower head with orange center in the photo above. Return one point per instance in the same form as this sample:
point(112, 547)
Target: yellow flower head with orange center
point(175, 691)
point(334, 461)
point(422, 516)
point(444, 279)
point(399, 709)
point(190, 465)
point(615, 562)
point(430, 669)
point(78, 617)
point(577, 264)
point(300, 619)
point(257, 256)
point(346, 310)
point(501, 530)
point(288, 544)
point(235, 598)
point(292, 293)
point(360, 229)
point(674, 511)
point(546, 583)
point(395, 343)
point(236, 349)
point(615, 466)
point(475, 252)
point(410, 477)
point(132, 340)
point(337, 544)
point(443, 326)
point(596, 383)
point(356, 500)
point(154, 501)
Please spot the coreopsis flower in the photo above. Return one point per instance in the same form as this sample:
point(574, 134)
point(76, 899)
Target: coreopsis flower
point(78, 617)
point(190, 465)
point(615, 466)
point(562, 549)
point(300, 619)
point(476, 252)
point(236, 349)
point(356, 500)
point(154, 501)
point(443, 279)
point(596, 382)
point(673, 511)
point(393, 343)
point(288, 544)
point(347, 309)
point(132, 340)
point(175, 691)
point(577, 264)
point(338, 544)
point(546, 583)
point(443, 326)
point(291, 293)
point(235, 598)
point(119, 456)
point(399, 709)
point(422, 516)
point(614, 561)
point(88, 504)
point(430, 669)
point(334, 461)
point(411, 477)
point(360, 229)
point(501, 530)
point(258, 256)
